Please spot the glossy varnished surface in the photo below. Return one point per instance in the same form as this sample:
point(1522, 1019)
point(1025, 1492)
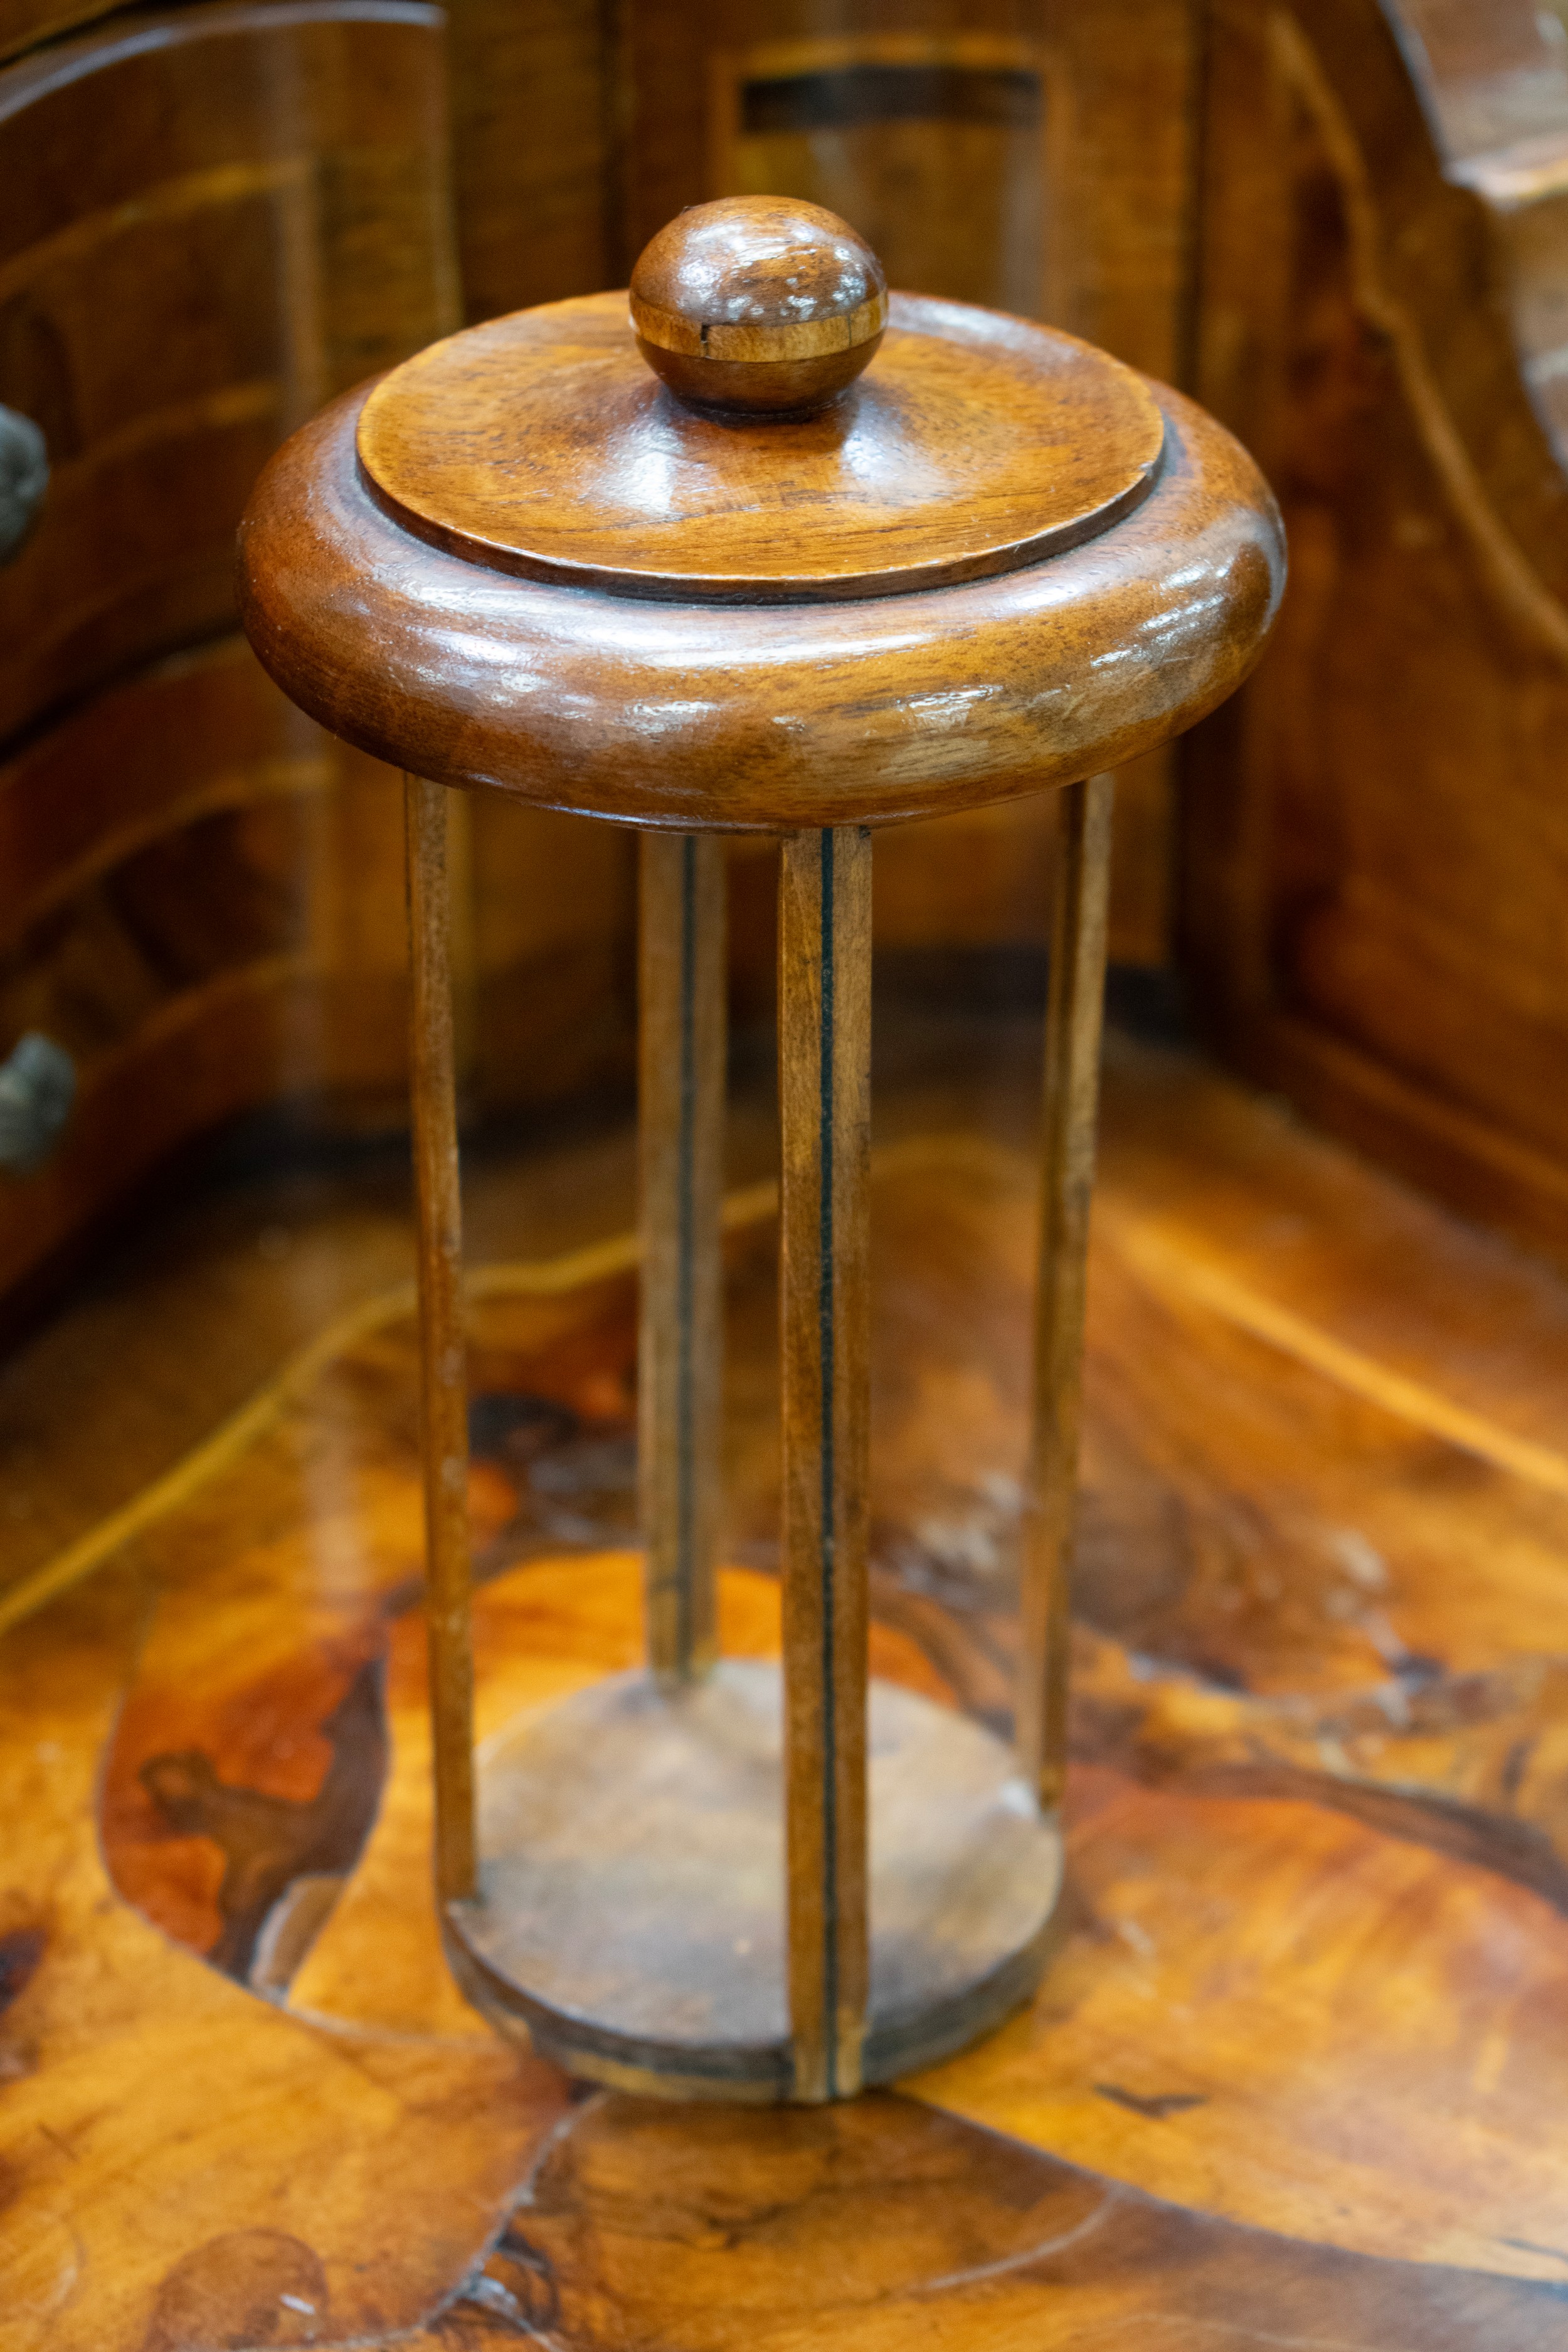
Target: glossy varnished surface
point(542, 445)
point(758, 306)
point(214, 218)
point(1309, 1990)
point(1375, 836)
point(779, 716)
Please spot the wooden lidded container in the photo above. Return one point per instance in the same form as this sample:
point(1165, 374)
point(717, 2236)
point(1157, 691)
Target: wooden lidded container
point(780, 554)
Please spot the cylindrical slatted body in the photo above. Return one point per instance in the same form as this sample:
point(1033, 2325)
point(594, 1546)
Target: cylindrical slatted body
point(857, 558)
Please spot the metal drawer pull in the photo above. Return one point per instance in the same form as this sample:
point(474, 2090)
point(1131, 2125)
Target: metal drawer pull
point(37, 1087)
point(24, 478)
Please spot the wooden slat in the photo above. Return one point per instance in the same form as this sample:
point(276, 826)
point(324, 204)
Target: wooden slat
point(824, 1058)
point(1073, 1014)
point(681, 1169)
point(444, 1422)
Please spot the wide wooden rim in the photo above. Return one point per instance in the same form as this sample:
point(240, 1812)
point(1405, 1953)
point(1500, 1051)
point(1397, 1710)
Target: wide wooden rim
point(656, 713)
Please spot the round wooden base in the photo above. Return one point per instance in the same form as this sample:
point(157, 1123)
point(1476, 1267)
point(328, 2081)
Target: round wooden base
point(632, 1906)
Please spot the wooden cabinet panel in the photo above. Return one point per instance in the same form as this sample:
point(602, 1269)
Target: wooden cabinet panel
point(1376, 884)
point(25, 23)
point(214, 221)
point(536, 149)
point(214, 218)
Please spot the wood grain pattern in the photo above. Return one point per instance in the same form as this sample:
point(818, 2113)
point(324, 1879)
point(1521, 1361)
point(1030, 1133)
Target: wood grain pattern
point(535, 216)
point(1047, 167)
point(214, 216)
point(1073, 1012)
point(278, 253)
point(1286, 1352)
point(540, 444)
point(633, 1913)
point(443, 1389)
point(874, 2225)
point(681, 1131)
point(824, 1113)
point(388, 643)
point(1383, 255)
point(758, 306)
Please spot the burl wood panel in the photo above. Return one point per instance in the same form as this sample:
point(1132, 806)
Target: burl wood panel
point(1297, 2068)
point(1377, 851)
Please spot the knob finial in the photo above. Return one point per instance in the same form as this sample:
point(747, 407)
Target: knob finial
point(758, 307)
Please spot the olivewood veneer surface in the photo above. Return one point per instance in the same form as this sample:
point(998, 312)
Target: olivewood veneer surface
point(1297, 2070)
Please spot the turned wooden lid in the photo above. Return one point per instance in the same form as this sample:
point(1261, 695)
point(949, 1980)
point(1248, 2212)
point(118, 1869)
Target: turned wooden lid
point(766, 461)
point(757, 546)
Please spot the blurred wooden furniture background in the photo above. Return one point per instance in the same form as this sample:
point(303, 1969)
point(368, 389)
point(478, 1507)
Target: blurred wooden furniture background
point(1374, 896)
point(1344, 226)
point(213, 218)
point(1035, 157)
point(216, 218)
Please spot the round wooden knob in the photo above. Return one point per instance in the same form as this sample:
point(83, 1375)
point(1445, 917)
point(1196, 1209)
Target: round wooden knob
point(758, 306)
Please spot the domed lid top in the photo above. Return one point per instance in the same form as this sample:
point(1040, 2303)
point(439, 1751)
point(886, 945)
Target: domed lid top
point(766, 462)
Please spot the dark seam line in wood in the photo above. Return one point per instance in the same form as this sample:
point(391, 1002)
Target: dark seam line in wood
point(825, 1346)
point(684, 1499)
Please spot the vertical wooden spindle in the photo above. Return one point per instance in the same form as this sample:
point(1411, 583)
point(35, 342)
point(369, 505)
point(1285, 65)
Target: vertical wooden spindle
point(824, 1073)
point(1073, 1017)
point(680, 1120)
point(444, 1396)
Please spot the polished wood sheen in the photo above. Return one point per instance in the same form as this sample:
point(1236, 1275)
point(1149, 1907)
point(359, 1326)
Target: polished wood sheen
point(824, 1118)
point(443, 1393)
point(1073, 1010)
point(680, 1348)
point(1298, 2066)
point(758, 307)
point(766, 717)
point(630, 1910)
point(1374, 846)
point(541, 444)
point(1045, 168)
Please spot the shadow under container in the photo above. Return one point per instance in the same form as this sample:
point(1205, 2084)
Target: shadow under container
point(829, 560)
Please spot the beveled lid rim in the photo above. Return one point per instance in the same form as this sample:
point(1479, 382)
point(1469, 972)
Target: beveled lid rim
point(747, 589)
point(651, 713)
